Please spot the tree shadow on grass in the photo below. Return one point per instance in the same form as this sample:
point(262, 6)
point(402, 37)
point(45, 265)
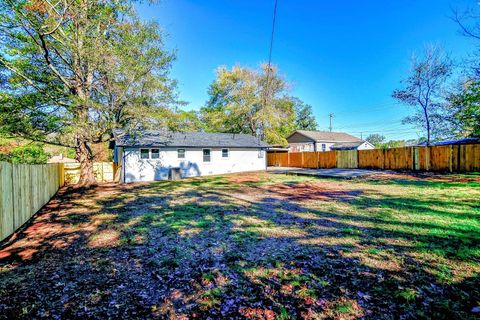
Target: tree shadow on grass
point(209, 248)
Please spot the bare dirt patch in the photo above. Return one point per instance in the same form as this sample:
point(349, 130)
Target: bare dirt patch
point(312, 191)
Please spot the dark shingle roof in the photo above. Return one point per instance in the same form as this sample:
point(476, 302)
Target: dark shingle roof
point(346, 145)
point(153, 138)
point(448, 142)
point(327, 136)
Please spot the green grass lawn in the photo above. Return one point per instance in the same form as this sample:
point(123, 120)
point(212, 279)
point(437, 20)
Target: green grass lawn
point(259, 246)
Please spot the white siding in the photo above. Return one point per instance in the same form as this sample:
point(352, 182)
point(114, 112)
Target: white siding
point(366, 146)
point(328, 146)
point(239, 160)
point(301, 147)
point(310, 146)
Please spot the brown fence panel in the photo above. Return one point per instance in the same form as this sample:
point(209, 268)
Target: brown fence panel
point(474, 163)
point(399, 158)
point(271, 159)
point(282, 159)
point(296, 159)
point(451, 158)
point(347, 159)
point(327, 159)
point(423, 159)
point(440, 158)
point(371, 159)
point(467, 157)
point(310, 160)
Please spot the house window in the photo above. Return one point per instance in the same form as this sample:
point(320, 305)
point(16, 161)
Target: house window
point(155, 154)
point(225, 153)
point(206, 155)
point(181, 153)
point(260, 154)
point(324, 147)
point(144, 153)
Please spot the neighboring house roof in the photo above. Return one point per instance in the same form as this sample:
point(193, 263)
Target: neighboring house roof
point(153, 138)
point(447, 142)
point(347, 145)
point(327, 136)
point(60, 159)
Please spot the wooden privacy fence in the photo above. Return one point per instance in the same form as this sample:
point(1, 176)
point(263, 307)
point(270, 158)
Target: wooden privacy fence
point(104, 172)
point(449, 158)
point(24, 189)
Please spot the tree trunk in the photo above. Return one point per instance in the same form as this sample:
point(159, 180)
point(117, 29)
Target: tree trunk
point(427, 119)
point(84, 156)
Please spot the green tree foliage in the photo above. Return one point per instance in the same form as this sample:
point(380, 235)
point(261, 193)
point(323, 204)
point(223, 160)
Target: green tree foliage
point(304, 118)
point(393, 144)
point(465, 108)
point(73, 70)
point(424, 90)
point(380, 142)
point(376, 139)
point(32, 153)
point(244, 100)
point(182, 121)
point(465, 102)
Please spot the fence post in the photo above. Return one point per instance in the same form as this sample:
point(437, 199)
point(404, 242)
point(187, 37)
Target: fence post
point(384, 156)
point(450, 160)
point(13, 198)
point(427, 158)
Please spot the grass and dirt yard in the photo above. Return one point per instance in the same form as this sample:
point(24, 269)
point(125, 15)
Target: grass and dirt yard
point(257, 245)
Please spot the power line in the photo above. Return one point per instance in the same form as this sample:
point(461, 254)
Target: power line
point(371, 124)
point(271, 38)
point(370, 108)
point(387, 131)
point(270, 55)
point(269, 66)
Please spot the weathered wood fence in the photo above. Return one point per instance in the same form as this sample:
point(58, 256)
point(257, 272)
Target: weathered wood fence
point(104, 172)
point(450, 158)
point(24, 189)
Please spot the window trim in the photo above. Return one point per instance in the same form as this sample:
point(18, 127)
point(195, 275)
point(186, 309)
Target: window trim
point(261, 155)
point(148, 154)
point(184, 153)
point(151, 153)
point(209, 155)
point(228, 153)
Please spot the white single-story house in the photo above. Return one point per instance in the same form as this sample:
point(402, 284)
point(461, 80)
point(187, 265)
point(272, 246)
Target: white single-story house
point(317, 141)
point(160, 155)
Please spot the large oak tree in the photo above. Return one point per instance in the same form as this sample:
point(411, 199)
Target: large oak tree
point(72, 70)
point(256, 102)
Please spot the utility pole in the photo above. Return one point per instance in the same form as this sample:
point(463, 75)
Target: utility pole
point(331, 116)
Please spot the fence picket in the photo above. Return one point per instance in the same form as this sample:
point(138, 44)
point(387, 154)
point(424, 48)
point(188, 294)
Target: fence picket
point(449, 158)
point(24, 189)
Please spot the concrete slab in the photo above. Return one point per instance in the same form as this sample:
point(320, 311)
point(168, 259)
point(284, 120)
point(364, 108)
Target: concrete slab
point(329, 173)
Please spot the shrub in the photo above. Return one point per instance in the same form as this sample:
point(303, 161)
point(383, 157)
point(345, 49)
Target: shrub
point(32, 153)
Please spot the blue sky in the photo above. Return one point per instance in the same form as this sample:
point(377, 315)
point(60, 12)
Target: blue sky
point(344, 57)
